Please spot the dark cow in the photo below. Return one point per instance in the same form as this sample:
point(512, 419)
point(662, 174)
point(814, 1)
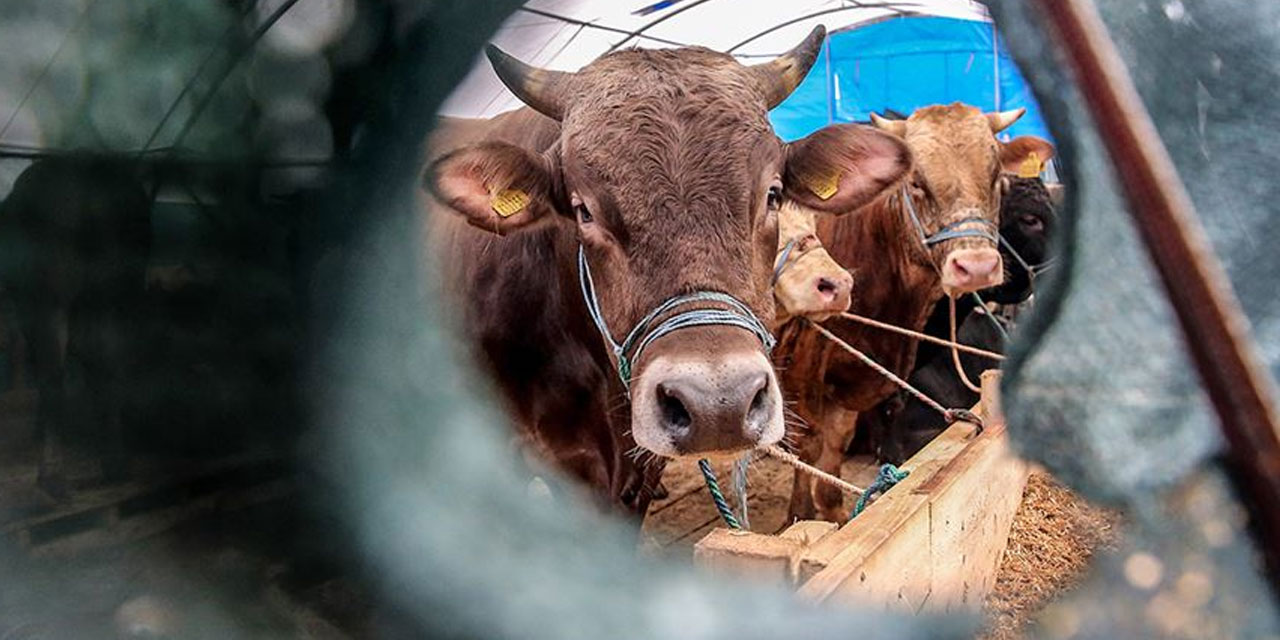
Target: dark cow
point(647, 175)
point(901, 425)
point(75, 237)
point(953, 198)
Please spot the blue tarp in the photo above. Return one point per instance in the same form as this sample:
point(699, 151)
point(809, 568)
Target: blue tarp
point(903, 64)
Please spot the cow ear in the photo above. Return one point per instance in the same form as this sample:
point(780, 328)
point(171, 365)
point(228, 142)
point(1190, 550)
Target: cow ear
point(842, 167)
point(1025, 156)
point(496, 186)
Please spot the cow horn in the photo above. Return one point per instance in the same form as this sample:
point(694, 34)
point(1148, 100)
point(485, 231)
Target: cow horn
point(1001, 120)
point(896, 127)
point(538, 88)
point(781, 76)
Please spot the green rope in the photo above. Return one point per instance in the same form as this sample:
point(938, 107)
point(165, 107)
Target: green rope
point(888, 476)
point(713, 487)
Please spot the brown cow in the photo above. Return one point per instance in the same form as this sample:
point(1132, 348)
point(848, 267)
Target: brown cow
point(954, 201)
point(647, 175)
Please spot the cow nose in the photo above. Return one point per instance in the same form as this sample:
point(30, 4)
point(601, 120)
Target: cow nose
point(968, 270)
point(834, 292)
point(701, 408)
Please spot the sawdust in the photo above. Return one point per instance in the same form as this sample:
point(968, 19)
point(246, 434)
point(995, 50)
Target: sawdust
point(1054, 536)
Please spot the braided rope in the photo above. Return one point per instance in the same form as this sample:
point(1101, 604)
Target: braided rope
point(792, 459)
point(717, 496)
point(740, 486)
point(782, 260)
point(950, 231)
point(955, 354)
point(922, 336)
point(950, 415)
point(641, 336)
point(880, 369)
point(886, 479)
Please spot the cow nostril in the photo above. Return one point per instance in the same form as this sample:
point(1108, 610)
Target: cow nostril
point(759, 403)
point(959, 267)
point(674, 413)
point(827, 288)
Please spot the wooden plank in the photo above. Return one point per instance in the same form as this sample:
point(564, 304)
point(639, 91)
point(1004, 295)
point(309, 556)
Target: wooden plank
point(891, 511)
point(931, 545)
point(745, 554)
point(990, 406)
point(970, 514)
point(809, 532)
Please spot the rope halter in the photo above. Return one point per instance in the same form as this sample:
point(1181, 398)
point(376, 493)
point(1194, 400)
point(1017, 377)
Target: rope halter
point(805, 243)
point(738, 314)
point(962, 228)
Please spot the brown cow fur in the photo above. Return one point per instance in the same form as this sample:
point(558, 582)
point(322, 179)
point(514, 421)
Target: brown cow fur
point(672, 154)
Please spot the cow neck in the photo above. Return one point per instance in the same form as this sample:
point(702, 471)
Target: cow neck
point(894, 274)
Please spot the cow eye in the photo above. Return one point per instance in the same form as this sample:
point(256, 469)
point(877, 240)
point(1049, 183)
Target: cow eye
point(584, 216)
point(1033, 223)
point(775, 198)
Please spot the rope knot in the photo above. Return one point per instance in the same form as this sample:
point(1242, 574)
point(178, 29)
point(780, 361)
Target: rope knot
point(886, 479)
point(953, 416)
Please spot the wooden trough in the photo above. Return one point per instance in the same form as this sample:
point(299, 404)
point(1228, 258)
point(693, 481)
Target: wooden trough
point(931, 544)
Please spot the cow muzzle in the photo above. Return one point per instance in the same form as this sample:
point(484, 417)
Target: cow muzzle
point(969, 270)
point(686, 405)
point(816, 289)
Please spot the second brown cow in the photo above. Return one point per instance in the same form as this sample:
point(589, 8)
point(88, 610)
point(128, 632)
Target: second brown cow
point(933, 236)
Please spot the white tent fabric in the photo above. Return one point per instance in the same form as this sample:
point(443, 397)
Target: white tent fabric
point(567, 34)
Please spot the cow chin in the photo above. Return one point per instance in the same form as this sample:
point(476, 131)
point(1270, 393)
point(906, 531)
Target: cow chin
point(685, 405)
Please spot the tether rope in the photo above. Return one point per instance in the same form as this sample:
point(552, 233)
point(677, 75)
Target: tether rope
point(950, 415)
point(717, 496)
point(922, 336)
point(792, 459)
point(627, 353)
point(888, 477)
point(955, 353)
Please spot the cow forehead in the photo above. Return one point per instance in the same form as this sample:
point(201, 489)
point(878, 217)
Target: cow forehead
point(954, 147)
point(667, 105)
point(795, 221)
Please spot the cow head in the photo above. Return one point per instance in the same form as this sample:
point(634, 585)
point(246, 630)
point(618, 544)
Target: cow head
point(808, 282)
point(669, 172)
point(1027, 220)
point(959, 166)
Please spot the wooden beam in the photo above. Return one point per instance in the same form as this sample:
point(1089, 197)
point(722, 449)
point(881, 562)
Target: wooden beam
point(737, 554)
point(931, 544)
point(773, 558)
point(934, 542)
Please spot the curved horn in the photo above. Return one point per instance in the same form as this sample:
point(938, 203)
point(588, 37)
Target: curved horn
point(781, 76)
point(896, 127)
point(539, 88)
point(1001, 120)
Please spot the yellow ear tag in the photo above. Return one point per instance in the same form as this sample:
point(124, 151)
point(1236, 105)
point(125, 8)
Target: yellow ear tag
point(1030, 167)
point(509, 202)
point(824, 185)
